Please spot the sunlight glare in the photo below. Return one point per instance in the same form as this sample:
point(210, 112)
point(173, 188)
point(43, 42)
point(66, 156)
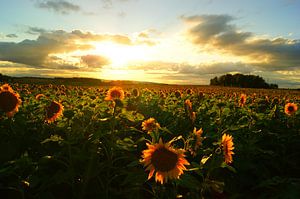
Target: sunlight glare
point(121, 55)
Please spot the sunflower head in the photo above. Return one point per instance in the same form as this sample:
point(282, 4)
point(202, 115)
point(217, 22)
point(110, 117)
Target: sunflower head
point(290, 108)
point(150, 125)
point(188, 105)
point(167, 162)
point(243, 99)
point(189, 91)
point(178, 94)
point(197, 134)
point(115, 93)
point(53, 111)
point(135, 92)
point(39, 96)
point(227, 146)
point(6, 87)
point(9, 100)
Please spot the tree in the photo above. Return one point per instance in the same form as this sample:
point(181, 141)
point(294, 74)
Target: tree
point(240, 80)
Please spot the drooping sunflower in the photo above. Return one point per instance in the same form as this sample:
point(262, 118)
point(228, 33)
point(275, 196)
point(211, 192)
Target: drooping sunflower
point(290, 108)
point(167, 162)
point(243, 99)
point(189, 110)
point(115, 93)
point(197, 134)
point(188, 105)
point(54, 111)
point(227, 145)
point(9, 100)
point(150, 125)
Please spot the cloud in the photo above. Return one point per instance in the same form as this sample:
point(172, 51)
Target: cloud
point(38, 53)
point(108, 4)
point(183, 73)
point(94, 61)
point(35, 30)
point(216, 32)
point(11, 35)
point(58, 6)
point(199, 69)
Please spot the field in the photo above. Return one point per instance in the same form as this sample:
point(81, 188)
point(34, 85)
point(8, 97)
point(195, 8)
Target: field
point(100, 142)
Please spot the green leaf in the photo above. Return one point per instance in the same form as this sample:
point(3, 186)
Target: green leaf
point(53, 138)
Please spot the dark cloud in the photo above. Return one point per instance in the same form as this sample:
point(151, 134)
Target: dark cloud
point(58, 6)
point(94, 61)
point(217, 32)
point(11, 35)
point(35, 30)
point(37, 53)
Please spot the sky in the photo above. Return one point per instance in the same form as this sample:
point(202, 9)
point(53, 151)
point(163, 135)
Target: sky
point(164, 41)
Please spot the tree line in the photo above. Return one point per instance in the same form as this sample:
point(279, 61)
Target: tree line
point(243, 81)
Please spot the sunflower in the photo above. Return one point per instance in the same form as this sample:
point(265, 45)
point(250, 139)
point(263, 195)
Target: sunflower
point(150, 125)
point(178, 94)
point(243, 99)
point(9, 100)
point(115, 93)
point(290, 108)
point(54, 111)
point(169, 163)
point(227, 145)
point(39, 96)
point(197, 134)
point(189, 110)
point(6, 87)
point(135, 92)
point(188, 105)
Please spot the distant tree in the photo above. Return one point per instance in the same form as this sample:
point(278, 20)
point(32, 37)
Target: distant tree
point(243, 81)
point(4, 78)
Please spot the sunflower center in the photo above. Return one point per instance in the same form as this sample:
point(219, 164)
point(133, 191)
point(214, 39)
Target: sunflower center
point(290, 108)
point(8, 101)
point(164, 160)
point(115, 94)
point(53, 109)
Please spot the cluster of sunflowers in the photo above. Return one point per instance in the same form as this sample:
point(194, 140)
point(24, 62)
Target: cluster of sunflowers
point(10, 102)
point(164, 160)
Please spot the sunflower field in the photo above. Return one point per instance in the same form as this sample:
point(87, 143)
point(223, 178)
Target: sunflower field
point(60, 142)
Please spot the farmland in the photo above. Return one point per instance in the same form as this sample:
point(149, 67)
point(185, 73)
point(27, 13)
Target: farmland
point(148, 141)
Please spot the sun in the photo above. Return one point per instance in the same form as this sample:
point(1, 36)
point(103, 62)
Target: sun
point(121, 55)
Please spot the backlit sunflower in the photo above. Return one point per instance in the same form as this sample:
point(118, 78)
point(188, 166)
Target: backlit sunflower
point(39, 96)
point(188, 105)
point(290, 108)
point(243, 99)
point(9, 100)
point(197, 134)
point(150, 125)
point(227, 145)
point(167, 162)
point(178, 94)
point(54, 111)
point(135, 92)
point(115, 93)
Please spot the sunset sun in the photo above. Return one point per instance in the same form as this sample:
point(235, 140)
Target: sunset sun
point(121, 55)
